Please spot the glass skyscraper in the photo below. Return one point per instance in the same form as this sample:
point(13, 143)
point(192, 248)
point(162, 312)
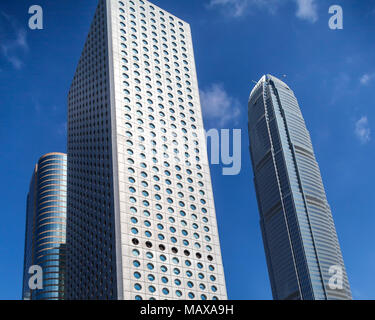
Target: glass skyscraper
point(141, 214)
point(46, 226)
point(301, 246)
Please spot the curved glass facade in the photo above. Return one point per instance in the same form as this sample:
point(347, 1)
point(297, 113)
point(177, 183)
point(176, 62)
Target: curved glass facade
point(46, 227)
point(299, 235)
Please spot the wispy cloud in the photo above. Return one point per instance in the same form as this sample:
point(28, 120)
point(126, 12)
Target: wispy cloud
point(16, 44)
point(366, 78)
point(218, 106)
point(238, 8)
point(362, 130)
point(306, 9)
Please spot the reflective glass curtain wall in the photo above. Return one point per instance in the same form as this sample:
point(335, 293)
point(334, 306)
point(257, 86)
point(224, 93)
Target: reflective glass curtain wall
point(299, 235)
point(46, 227)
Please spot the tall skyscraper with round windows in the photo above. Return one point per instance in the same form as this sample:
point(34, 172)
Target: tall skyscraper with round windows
point(302, 250)
point(141, 213)
point(46, 227)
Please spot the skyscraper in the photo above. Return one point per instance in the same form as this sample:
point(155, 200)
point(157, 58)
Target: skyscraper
point(302, 250)
point(141, 214)
point(45, 227)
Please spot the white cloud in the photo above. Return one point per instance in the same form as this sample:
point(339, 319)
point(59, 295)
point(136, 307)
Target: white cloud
point(366, 78)
point(218, 106)
point(307, 10)
point(362, 130)
point(238, 8)
point(10, 48)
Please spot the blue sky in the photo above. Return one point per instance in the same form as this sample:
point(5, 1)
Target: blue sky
point(332, 73)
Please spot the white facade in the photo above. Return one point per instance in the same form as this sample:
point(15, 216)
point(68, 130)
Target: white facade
point(166, 237)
